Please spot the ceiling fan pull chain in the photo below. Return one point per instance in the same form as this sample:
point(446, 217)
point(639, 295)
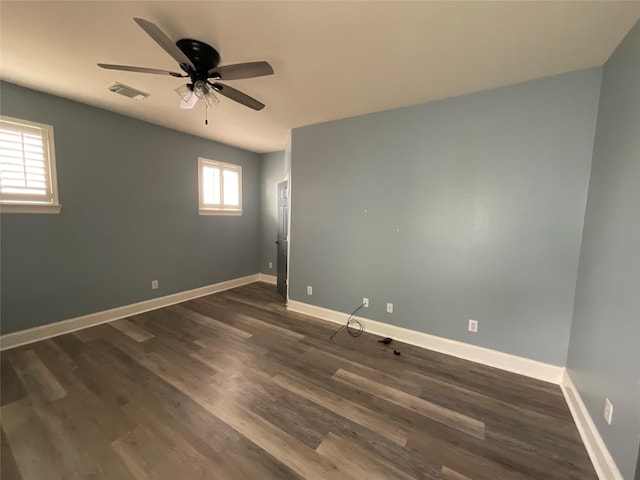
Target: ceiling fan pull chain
point(206, 113)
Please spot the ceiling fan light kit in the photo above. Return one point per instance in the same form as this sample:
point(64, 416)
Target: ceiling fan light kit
point(184, 92)
point(199, 62)
point(203, 91)
point(188, 99)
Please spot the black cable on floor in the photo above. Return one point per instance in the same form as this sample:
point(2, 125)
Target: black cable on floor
point(353, 326)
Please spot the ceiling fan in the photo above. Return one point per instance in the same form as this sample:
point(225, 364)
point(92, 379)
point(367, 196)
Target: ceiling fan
point(199, 62)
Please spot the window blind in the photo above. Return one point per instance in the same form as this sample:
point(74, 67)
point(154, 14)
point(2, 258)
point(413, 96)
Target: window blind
point(211, 185)
point(220, 188)
point(25, 174)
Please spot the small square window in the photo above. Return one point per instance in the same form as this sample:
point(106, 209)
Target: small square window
point(219, 188)
point(28, 181)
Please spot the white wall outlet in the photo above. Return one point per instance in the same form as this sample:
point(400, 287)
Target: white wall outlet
point(473, 326)
point(154, 284)
point(608, 411)
point(389, 307)
point(309, 290)
point(365, 302)
point(270, 265)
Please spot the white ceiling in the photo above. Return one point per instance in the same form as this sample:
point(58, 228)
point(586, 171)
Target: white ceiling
point(332, 59)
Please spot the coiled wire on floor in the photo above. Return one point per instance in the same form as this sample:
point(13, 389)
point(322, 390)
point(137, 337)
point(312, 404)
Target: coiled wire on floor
point(353, 326)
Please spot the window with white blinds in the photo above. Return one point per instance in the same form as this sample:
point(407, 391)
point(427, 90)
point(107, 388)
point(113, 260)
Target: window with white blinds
point(27, 167)
point(219, 187)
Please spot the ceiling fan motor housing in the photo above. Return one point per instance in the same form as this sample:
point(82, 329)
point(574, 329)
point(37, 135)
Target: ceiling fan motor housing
point(204, 57)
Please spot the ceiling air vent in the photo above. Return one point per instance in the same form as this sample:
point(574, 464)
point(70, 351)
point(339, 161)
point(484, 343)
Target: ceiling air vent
point(128, 92)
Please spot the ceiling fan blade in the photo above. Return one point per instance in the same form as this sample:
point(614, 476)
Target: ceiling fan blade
point(127, 68)
point(238, 96)
point(241, 70)
point(165, 42)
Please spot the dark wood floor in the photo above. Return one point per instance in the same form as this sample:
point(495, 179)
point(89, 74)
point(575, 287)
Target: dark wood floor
point(232, 386)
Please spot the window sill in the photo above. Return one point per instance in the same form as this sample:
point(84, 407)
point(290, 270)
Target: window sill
point(30, 208)
point(204, 211)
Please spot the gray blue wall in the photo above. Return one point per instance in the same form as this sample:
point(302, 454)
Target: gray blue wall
point(271, 173)
point(467, 208)
point(604, 352)
point(129, 215)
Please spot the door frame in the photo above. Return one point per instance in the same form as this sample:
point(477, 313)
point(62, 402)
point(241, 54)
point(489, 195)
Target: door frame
point(288, 236)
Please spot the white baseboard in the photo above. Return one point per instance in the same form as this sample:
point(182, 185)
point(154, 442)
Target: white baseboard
point(486, 356)
point(263, 277)
point(42, 332)
point(598, 452)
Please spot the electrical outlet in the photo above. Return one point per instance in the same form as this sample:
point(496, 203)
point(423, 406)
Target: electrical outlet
point(473, 326)
point(154, 284)
point(365, 302)
point(608, 411)
point(270, 265)
point(389, 307)
point(309, 290)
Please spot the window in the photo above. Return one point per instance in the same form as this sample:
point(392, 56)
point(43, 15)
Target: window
point(27, 167)
point(220, 188)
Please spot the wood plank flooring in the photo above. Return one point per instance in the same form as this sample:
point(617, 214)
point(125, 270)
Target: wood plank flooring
point(232, 386)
